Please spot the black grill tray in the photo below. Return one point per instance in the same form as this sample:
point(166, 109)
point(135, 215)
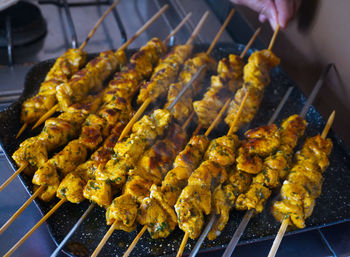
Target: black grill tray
point(332, 207)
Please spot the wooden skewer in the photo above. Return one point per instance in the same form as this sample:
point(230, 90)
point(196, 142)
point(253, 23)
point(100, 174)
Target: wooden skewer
point(220, 31)
point(134, 242)
point(144, 27)
point(8, 181)
point(198, 28)
point(187, 122)
point(183, 244)
point(20, 210)
point(177, 28)
point(23, 128)
point(285, 223)
point(251, 41)
point(46, 116)
point(273, 39)
point(37, 225)
point(238, 113)
point(217, 119)
point(104, 240)
point(98, 23)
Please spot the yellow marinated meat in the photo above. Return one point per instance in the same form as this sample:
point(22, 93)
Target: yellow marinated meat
point(34, 156)
point(193, 152)
point(89, 78)
point(195, 198)
point(254, 198)
point(67, 64)
point(98, 192)
point(183, 107)
point(251, 164)
point(223, 85)
point(71, 188)
point(304, 182)
point(47, 176)
point(121, 216)
point(70, 157)
point(222, 150)
point(224, 197)
point(164, 74)
point(64, 67)
point(256, 78)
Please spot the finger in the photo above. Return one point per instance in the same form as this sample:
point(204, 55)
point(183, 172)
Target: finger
point(262, 18)
point(285, 11)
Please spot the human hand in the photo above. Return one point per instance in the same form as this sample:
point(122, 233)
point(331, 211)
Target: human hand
point(275, 11)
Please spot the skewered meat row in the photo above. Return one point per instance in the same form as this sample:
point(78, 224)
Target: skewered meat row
point(239, 192)
point(56, 132)
point(62, 70)
point(164, 74)
point(274, 166)
point(304, 182)
point(150, 169)
point(127, 154)
point(255, 78)
point(183, 107)
point(195, 199)
point(223, 85)
point(97, 126)
point(89, 78)
point(157, 211)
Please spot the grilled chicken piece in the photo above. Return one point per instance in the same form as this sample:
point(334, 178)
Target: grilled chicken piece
point(254, 198)
point(47, 176)
point(224, 198)
point(195, 199)
point(164, 74)
point(222, 150)
point(98, 192)
point(256, 78)
point(183, 107)
point(228, 80)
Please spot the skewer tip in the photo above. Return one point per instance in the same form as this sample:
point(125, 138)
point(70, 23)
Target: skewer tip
point(24, 126)
point(182, 246)
point(328, 125)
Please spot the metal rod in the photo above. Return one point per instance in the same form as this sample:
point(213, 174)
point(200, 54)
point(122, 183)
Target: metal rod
point(120, 25)
point(326, 242)
point(280, 106)
point(203, 236)
point(238, 233)
point(314, 92)
point(70, 24)
point(74, 4)
point(187, 86)
point(74, 228)
point(9, 41)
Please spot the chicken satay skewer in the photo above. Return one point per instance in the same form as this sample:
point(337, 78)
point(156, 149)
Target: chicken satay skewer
point(243, 224)
point(123, 47)
point(148, 101)
point(285, 222)
point(213, 216)
point(244, 52)
point(82, 46)
point(172, 33)
point(139, 32)
point(185, 238)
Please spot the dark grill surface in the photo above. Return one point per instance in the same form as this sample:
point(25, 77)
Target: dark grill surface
point(333, 206)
